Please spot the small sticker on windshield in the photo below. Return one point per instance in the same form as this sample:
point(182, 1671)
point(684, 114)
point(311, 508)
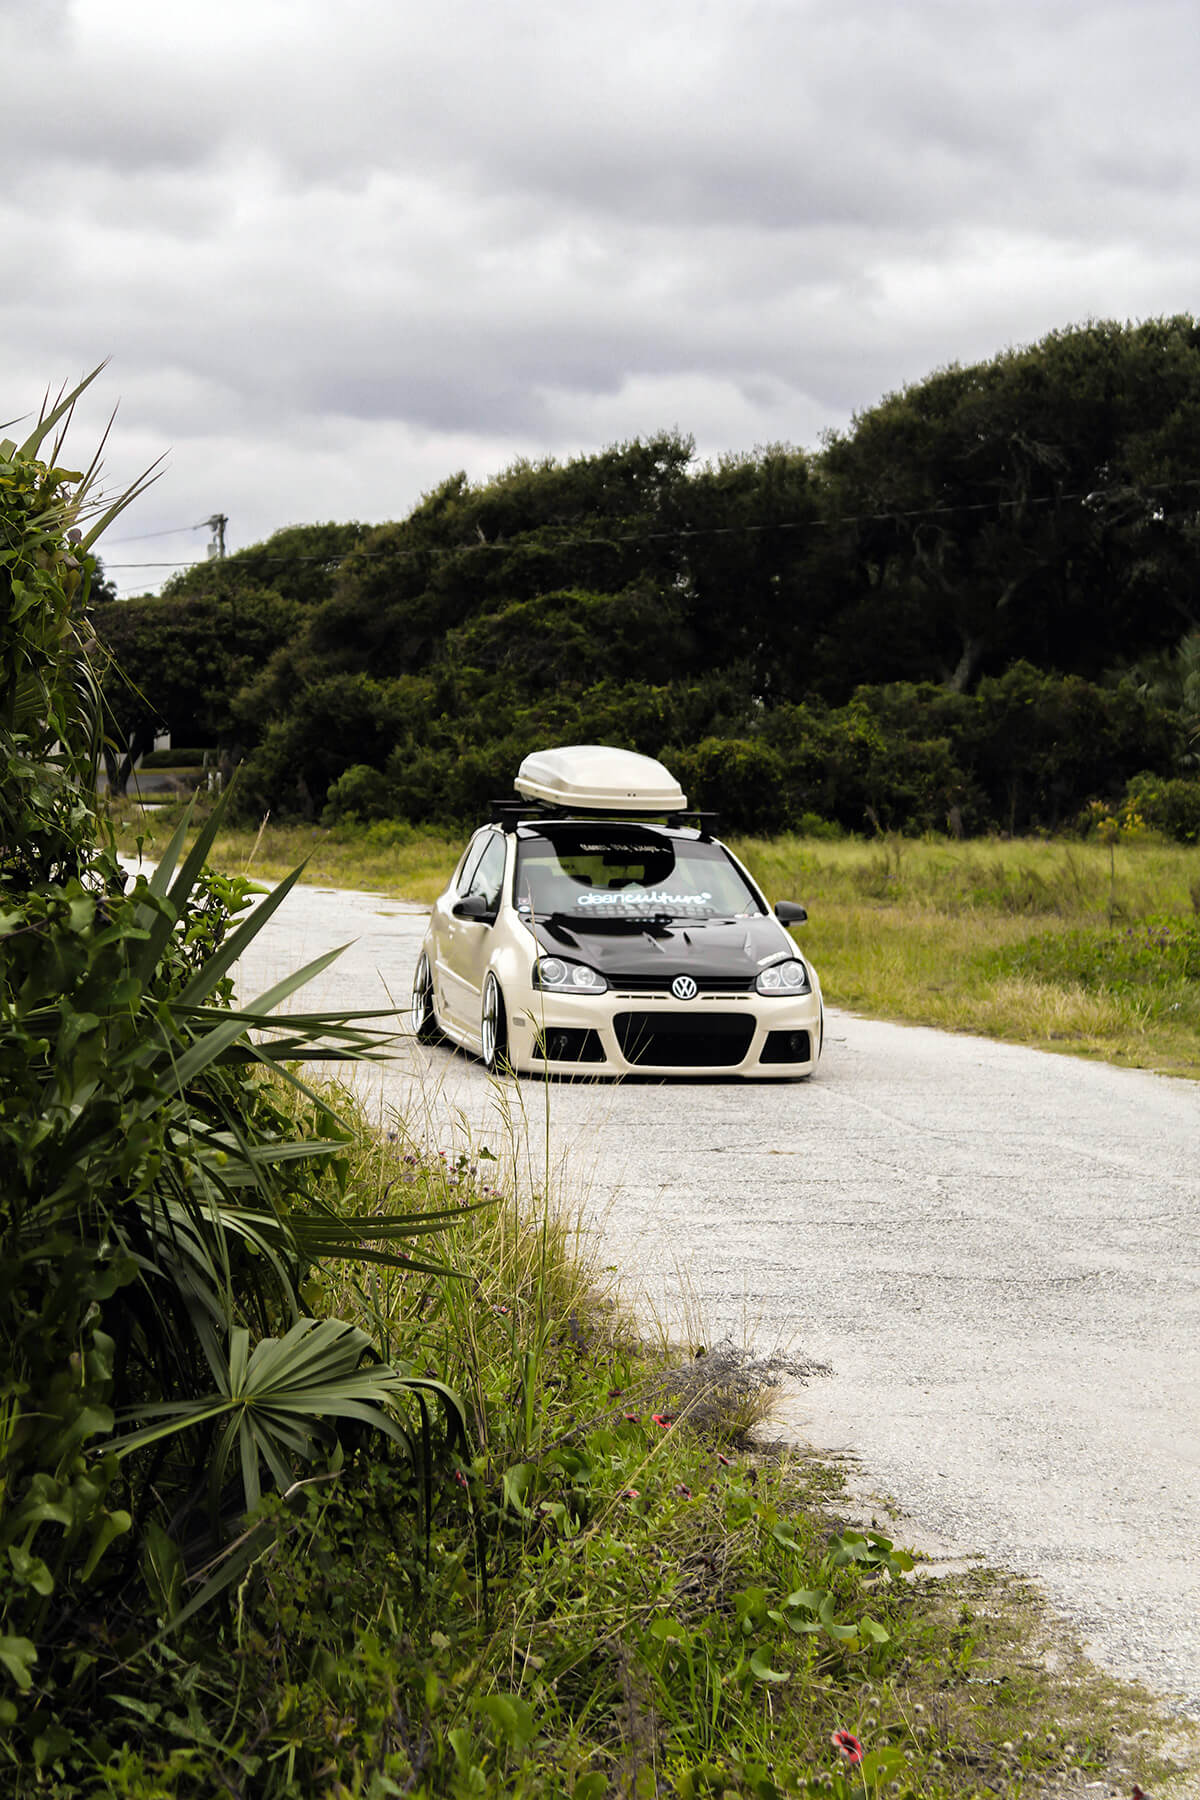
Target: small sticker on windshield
point(618, 852)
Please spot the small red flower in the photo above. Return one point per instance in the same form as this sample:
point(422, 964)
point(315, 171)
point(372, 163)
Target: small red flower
point(849, 1745)
point(726, 1462)
point(632, 1417)
point(662, 1420)
point(632, 1493)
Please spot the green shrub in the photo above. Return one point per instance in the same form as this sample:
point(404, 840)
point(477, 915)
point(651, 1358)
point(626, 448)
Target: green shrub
point(1022, 754)
point(812, 825)
point(389, 834)
point(1171, 806)
point(874, 765)
point(1041, 743)
point(742, 779)
point(358, 795)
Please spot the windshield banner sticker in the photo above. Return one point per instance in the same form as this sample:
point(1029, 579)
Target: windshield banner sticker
point(641, 897)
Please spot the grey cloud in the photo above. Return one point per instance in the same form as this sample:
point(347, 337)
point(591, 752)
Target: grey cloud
point(781, 114)
point(490, 229)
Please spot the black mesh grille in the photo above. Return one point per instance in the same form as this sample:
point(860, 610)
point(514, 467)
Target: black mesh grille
point(674, 1041)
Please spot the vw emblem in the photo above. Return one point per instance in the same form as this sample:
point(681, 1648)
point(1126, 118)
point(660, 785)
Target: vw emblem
point(684, 988)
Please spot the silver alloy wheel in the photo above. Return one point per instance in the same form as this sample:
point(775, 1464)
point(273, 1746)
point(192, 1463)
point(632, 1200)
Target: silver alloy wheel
point(493, 1032)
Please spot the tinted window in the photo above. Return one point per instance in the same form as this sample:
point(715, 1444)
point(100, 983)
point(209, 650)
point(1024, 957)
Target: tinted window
point(624, 872)
point(487, 877)
point(469, 862)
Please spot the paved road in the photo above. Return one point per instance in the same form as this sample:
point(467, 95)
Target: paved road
point(995, 1250)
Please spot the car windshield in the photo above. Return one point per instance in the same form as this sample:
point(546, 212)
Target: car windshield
point(618, 872)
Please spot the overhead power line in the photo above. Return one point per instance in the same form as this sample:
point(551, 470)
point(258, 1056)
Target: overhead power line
point(139, 537)
point(246, 559)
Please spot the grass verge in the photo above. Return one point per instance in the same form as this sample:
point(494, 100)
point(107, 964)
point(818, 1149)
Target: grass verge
point(621, 1589)
point(405, 862)
point(1070, 946)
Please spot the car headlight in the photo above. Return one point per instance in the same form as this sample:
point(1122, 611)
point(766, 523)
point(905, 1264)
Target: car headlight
point(784, 978)
point(557, 975)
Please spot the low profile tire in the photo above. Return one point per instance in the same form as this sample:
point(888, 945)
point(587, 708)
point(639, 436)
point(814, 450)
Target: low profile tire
point(422, 1018)
point(493, 1029)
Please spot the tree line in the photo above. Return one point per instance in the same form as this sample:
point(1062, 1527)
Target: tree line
point(975, 609)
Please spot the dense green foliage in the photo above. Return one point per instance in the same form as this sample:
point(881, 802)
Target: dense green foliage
point(969, 611)
point(1041, 505)
point(182, 661)
point(179, 661)
point(163, 1207)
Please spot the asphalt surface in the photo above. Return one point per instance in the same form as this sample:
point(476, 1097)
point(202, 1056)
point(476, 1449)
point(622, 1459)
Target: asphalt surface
point(994, 1250)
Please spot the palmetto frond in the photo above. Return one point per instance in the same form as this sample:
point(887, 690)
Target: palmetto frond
point(276, 1402)
point(222, 1231)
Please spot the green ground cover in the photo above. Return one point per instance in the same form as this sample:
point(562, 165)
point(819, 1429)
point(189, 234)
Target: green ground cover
point(624, 1588)
point(1072, 946)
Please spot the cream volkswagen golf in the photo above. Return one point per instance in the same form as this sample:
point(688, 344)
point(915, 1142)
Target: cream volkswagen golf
point(589, 930)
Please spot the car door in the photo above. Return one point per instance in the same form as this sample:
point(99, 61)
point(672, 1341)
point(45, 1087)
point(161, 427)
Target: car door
point(442, 924)
point(469, 939)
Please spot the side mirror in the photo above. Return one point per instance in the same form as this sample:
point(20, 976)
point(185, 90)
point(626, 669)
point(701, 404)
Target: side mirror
point(475, 906)
point(790, 912)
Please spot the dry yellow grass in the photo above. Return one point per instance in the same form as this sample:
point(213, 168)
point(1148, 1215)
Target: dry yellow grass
point(906, 930)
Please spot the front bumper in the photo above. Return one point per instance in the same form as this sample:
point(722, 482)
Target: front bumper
point(768, 1037)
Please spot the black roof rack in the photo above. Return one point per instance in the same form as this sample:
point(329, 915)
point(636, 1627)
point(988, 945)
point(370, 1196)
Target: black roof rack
point(705, 822)
point(511, 813)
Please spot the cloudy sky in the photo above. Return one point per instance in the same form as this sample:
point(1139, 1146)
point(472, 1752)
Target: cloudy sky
point(336, 251)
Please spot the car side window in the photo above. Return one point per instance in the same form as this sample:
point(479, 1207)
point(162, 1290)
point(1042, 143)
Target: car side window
point(470, 862)
point(487, 877)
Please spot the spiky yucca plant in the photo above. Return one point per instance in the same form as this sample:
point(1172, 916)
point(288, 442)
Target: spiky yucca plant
point(160, 1208)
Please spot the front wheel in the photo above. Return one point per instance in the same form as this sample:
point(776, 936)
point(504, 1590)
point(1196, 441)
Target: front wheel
point(422, 1018)
point(493, 1028)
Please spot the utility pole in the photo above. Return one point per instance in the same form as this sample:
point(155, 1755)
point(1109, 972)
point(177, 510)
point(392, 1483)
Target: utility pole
point(217, 524)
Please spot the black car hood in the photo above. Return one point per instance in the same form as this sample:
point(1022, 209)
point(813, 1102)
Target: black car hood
point(724, 949)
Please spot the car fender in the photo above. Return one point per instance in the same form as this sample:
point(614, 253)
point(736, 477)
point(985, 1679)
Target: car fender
point(512, 958)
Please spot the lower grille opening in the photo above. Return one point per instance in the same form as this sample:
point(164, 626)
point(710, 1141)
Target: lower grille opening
point(787, 1047)
point(568, 1044)
point(698, 1040)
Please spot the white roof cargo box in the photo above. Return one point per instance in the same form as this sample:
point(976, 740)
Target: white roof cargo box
point(596, 778)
